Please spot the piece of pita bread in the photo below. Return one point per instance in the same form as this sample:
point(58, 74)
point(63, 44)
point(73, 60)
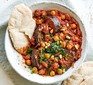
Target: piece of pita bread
point(75, 79)
point(19, 41)
point(21, 26)
point(21, 18)
point(86, 69)
point(83, 76)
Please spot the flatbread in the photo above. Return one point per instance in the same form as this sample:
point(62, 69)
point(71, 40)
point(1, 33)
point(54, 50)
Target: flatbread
point(75, 79)
point(83, 76)
point(19, 41)
point(21, 27)
point(21, 18)
point(86, 69)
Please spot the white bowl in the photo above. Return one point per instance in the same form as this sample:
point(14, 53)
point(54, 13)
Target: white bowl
point(16, 60)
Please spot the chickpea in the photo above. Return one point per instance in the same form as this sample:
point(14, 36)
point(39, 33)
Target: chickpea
point(42, 44)
point(52, 73)
point(56, 38)
point(28, 62)
point(39, 21)
point(63, 44)
point(51, 31)
point(56, 60)
point(47, 55)
point(22, 51)
point(34, 69)
point(59, 71)
point(61, 36)
point(64, 28)
point(27, 57)
point(43, 12)
point(73, 26)
point(70, 45)
point(53, 12)
point(76, 38)
point(62, 16)
point(77, 46)
point(41, 72)
point(52, 57)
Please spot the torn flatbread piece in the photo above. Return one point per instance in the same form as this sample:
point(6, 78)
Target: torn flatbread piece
point(75, 79)
point(19, 41)
point(21, 18)
point(21, 26)
point(83, 76)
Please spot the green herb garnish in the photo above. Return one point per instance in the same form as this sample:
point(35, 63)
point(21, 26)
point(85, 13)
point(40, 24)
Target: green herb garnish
point(63, 52)
point(30, 67)
point(69, 56)
point(51, 35)
point(44, 59)
point(40, 60)
point(66, 68)
point(29, 50)
point(32, 72)
point(55, 47)
point(42, 16)
point(62, 67)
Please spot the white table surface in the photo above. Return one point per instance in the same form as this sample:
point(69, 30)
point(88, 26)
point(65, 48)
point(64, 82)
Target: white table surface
point(8, 76)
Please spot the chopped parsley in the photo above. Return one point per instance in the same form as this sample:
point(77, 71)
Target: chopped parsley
point(32, 72)
point(29, 50)
point(42, 16)
point(55, 47)
point(30, 67)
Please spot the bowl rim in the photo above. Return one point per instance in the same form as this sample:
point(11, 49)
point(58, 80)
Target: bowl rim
point(66, 7)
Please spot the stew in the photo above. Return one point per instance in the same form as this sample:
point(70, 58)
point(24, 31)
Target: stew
point(56, 43)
